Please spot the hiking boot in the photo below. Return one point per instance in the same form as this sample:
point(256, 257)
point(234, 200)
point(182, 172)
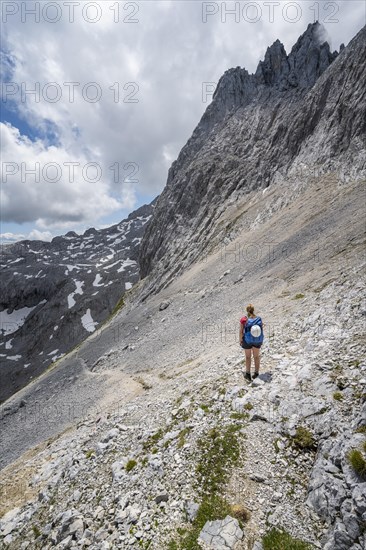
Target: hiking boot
point(248, 377)
point(255, 375)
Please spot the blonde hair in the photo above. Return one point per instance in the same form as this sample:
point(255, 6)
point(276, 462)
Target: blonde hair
point(250, 309)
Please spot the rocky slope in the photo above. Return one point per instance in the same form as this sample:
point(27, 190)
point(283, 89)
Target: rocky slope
point(146, 435)
point(297, 116)
point(173, 378)
point(54, 294)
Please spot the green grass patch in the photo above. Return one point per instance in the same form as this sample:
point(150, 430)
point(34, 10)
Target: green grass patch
point(299, 296)
point(182, 437)
point(205, 408)
point(357, 462)
point(212, 508)
point(119, 305)
point(239, 416)
point(152, 440)
point(337, 396)
point(89, 453)
point(130, 465)
point(281, 540)
point(303, 439)
point(36, 532)
point(248, 406)
point(219, 450)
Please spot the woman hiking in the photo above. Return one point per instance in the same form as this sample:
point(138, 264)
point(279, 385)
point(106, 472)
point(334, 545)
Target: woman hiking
point(250, 339)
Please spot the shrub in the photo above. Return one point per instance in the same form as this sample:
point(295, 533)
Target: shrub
point(361, 430)
point(303, 439)
point(239, 512)
point(337, 396)
point(89, 453)
point(130, 465)
point(299, 296)
point(357, 462)
point(36, 532)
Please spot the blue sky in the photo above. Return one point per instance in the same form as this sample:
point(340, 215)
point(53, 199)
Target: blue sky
point(117, 95)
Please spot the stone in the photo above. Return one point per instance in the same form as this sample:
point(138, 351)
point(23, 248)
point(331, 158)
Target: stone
point(191, 509)
point(221, 534)
point(119, 469)
point(164, 497)
point(164, 305)
point(114, 432)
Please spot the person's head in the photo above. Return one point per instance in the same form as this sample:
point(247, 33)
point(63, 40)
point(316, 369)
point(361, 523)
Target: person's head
point(250, 309)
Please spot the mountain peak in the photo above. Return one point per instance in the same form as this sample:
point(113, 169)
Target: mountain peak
point(309, 58)
point(270, 71)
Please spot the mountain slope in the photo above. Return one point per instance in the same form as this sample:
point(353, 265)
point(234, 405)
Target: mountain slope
point(298, 116)
point(147, 435)
point(176, 374)
point(54, 294)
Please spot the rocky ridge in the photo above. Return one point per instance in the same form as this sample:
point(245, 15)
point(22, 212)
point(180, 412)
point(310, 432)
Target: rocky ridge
point(298, 116)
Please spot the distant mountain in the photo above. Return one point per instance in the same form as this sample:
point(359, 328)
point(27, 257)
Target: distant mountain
point(298, 116)
point(53, 295)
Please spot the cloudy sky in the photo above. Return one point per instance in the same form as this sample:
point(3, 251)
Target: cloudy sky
point(99, 97)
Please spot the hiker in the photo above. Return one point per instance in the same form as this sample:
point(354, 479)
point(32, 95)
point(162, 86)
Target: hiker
point(250, 339)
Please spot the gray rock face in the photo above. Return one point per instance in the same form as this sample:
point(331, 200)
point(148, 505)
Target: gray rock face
point(53, 295)
point(221, 534)
point(293, 116)
point(308, 59)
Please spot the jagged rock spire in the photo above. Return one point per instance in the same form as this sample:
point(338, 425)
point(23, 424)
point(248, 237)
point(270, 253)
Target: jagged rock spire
point(308, 59)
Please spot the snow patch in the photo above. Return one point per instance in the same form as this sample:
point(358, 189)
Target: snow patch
point(70, 299)
point(88, 322)
point(11, 322)
point(126, 263)
point(97, 279)
point(8, 344)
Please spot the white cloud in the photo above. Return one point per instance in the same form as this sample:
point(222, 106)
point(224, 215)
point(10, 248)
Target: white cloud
point(11, 237)
point(49, 192)
point(36, 235)
point(168, 54)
